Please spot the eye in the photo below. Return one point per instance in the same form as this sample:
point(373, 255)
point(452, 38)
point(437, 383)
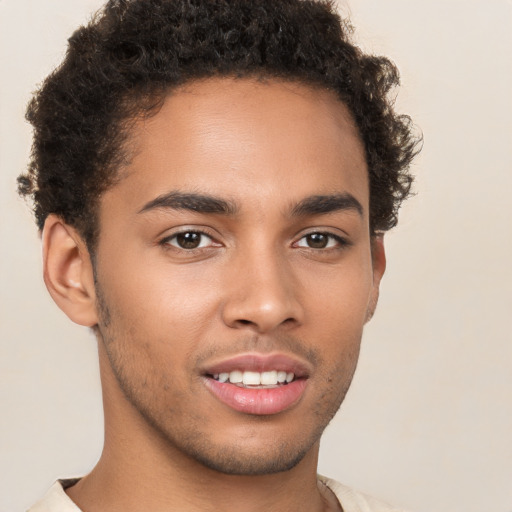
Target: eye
point(189, 240)
point(320, 241)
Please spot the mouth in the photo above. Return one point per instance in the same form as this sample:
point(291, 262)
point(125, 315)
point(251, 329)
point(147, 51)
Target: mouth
point(258, 384)
point(256, 380)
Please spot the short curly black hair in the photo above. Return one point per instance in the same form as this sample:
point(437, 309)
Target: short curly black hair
point(124, 62)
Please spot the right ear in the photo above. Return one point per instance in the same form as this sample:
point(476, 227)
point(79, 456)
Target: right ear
point(68, 272)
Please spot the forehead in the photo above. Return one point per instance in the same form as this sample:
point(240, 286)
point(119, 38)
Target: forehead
point(234, 137)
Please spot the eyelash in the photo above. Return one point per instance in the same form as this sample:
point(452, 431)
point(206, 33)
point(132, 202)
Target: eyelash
point(166, 242)
point(339, 242)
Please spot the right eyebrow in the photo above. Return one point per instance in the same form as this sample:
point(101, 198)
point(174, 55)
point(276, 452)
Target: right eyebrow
point(201, 203)
point(324, 204)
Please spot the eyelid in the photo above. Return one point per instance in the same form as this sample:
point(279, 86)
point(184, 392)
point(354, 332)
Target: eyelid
point(165, 240)
point(342, 241)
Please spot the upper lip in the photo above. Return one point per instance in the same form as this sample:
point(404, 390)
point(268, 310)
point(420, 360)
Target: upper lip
point(257, 362)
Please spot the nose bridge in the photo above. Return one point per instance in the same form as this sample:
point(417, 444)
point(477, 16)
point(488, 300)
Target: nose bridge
point(262, 292)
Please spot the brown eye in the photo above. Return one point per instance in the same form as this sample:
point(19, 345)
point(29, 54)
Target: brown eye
point(317, 240)
point(321, 241)
point(189, 240)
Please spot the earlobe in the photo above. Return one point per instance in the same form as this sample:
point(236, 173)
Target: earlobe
point(379, 267)
point(68, 272)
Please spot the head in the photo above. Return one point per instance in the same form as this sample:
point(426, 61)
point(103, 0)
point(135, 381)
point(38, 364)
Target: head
point(122, 65)
point(214, 179)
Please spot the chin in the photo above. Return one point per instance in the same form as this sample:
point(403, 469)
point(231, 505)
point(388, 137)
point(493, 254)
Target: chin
point(259, 449)
point(237, 461)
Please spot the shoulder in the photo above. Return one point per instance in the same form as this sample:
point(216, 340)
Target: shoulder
point(354, 501)
point(56, 499)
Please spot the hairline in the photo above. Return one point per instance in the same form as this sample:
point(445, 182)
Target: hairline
point(125, 126)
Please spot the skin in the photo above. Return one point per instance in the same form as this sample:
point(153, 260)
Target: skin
point(257, 283)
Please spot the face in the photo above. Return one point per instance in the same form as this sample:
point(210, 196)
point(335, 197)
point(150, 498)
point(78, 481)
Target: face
point(234, 271)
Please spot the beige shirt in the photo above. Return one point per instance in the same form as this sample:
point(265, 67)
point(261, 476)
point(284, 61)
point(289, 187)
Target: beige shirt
point(56, 499)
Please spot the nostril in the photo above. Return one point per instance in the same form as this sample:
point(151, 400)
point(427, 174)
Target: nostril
point(244, 322)
point(262, 312)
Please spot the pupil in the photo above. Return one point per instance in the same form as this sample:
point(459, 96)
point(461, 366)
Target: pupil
point(317, 240)
point(189, 240)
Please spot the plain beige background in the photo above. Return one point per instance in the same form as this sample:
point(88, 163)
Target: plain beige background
point(428, 422)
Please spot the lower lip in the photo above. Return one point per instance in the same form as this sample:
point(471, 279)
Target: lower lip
point(257, 401)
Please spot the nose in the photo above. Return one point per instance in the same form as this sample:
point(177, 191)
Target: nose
point(262, 294)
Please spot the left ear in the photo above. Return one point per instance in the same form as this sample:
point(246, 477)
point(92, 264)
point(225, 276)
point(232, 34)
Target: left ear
point(379, 267)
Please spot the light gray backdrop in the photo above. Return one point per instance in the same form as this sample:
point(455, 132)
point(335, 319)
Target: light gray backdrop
point(428, 422)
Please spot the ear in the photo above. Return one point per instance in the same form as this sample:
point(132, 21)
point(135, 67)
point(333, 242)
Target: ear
point(379, 267)
point(68, 272)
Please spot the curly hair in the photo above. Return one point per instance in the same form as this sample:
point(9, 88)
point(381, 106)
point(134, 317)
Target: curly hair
point(123, 63)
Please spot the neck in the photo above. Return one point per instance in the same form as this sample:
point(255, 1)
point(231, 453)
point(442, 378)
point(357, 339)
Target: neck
point(140, 470)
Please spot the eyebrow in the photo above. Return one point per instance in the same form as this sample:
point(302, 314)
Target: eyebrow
point(323, 204)
point(189, 201)
point(202, 203)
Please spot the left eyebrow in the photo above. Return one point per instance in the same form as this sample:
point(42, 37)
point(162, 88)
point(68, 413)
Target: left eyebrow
point(323, 204)
point(200, 203)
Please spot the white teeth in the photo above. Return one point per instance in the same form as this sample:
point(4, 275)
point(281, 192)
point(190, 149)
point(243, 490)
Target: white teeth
point(236, 377)
point(252, 378)
point(270, 378)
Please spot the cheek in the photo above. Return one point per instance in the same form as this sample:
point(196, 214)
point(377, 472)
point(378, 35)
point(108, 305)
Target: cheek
point(340, 295)
point(159, 296)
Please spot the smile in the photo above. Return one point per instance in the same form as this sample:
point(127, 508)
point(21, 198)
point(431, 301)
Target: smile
point(258, 384)
point(261, 380)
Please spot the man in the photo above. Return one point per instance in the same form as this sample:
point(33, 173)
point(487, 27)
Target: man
point(213, 180)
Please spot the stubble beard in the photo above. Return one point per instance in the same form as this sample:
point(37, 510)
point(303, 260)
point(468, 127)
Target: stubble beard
point(193, 441)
